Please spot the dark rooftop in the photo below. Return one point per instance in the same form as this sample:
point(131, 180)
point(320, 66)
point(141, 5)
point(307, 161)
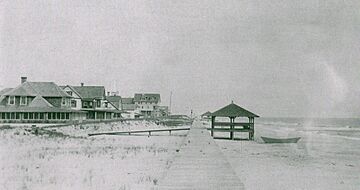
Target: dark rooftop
point(90, 92)
point(147, 97)
point(45, 89)
point(233, 110)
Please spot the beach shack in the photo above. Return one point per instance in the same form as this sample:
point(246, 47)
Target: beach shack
point(233, 111)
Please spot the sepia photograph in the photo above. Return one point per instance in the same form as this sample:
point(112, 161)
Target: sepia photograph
point(179, 95)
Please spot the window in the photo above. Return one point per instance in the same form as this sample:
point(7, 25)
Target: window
point(98, 103)
point(2, 115)
point(85, 104)
point(36, 116)
point(41, 115)
point(12, 116)
point(106, 104)
point(17, 116)
point(11, 100)
point(49, 115)
point(90, 104)
point(67, 115)
point(31, 116)
point(73, 103)
point(62, 115)
point(63, 101)
point(69, 92)
point(23, 100)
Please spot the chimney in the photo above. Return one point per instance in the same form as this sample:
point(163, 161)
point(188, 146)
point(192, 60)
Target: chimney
point(108, 93)
point(82, 84)
point(23, 79)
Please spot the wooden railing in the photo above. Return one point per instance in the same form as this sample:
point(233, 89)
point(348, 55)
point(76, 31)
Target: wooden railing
point(149, 131)
point(231, 124)
point(230, 130)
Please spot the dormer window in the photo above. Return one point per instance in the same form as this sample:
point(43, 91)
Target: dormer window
point(11, 100)
point(23, 100)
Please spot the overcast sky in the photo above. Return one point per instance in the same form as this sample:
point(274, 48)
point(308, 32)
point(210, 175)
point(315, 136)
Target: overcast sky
point(277, 58)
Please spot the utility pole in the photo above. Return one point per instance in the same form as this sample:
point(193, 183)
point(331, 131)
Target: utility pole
point(170, 102)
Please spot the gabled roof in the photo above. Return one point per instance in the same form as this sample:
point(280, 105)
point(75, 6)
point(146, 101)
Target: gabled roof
point(147, 97)
point(90, 92)
point(72, 89)
point(206, 114)
point(45, 89)
point(233, 110)
point(39, 102)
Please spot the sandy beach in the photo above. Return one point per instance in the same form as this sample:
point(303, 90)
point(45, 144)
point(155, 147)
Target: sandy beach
point(75, 161)
point(79, 162)
point(315, 162)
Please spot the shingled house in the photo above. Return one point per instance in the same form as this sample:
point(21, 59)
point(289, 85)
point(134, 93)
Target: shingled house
point(37, 102)
point(147, 104)
point(128, 107)
point(93, 101)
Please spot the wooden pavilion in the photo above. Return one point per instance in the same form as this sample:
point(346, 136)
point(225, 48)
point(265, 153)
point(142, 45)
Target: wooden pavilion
point(232, 111)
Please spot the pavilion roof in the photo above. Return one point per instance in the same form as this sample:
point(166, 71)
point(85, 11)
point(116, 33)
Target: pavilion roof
point(233, 110)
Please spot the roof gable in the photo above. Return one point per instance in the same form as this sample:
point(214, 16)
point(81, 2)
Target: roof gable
point(233, 110)
point(39, 101)
point(75, 94)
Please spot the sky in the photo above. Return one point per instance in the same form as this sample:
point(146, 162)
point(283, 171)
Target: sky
point(276, 58)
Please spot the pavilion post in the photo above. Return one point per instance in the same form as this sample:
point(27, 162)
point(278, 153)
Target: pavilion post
point(250, 128)
point(212, 125)
point(231, 128)
point(252, 131)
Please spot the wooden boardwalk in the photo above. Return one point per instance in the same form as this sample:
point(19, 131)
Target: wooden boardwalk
point(200, 164)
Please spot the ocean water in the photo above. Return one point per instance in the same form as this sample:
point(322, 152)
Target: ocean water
point(335, 127)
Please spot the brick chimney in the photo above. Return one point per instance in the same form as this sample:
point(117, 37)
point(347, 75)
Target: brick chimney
point(23, 79)
point(82, 84)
